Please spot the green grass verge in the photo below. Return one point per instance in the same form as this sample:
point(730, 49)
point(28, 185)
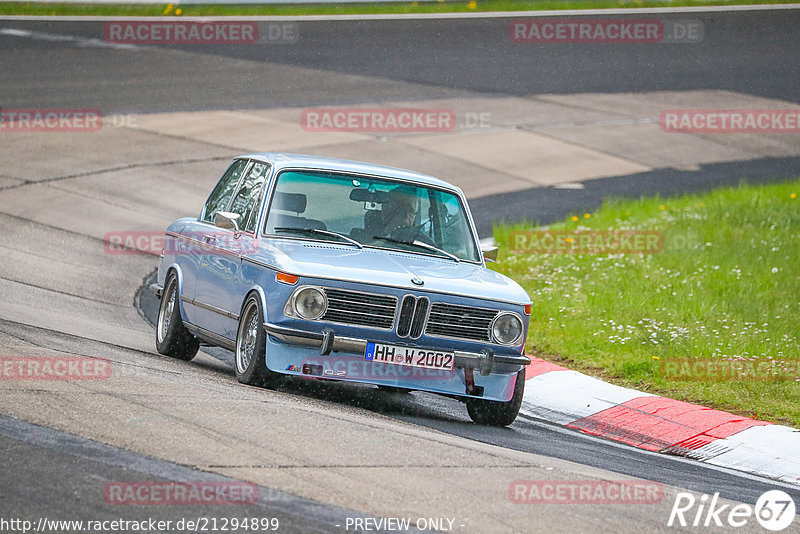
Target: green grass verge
point(725, 288)
point(449, 6)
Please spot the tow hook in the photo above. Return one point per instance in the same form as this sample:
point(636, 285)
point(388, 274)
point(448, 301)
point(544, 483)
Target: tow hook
point(469, 380)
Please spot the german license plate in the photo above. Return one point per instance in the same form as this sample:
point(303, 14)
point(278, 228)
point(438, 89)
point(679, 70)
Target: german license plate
point(409, 356)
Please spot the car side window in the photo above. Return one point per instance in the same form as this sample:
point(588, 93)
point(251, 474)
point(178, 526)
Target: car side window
point(221, 195)
point(246, 198)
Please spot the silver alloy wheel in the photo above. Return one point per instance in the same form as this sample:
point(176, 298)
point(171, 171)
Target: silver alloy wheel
point(247, 337)
point(166, 310)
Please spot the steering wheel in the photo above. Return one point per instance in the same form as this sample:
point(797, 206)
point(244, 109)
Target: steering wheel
point(411, 234)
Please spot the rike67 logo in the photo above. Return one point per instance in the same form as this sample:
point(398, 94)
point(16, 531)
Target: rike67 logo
point(774, 510)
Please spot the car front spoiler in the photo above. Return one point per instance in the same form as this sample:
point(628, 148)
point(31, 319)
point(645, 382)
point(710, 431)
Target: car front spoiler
point(327, 341)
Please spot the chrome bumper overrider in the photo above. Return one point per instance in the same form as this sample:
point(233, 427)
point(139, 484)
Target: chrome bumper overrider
point(327, 342)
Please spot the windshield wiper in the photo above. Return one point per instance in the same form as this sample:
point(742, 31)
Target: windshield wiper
point(420, 244)
point(317, 231)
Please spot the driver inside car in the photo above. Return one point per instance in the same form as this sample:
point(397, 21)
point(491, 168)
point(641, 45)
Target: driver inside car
point(400, 211)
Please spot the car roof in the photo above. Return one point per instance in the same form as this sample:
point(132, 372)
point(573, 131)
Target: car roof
point(284, 161)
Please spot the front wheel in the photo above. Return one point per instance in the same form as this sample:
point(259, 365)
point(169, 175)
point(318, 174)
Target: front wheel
point(496, 413)
point(251, 341)
point(172, 337)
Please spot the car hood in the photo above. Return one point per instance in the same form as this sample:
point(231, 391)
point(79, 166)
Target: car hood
point(388, 268)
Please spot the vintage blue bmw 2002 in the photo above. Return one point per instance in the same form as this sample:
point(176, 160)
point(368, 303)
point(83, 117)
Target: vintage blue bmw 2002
point(343, 270)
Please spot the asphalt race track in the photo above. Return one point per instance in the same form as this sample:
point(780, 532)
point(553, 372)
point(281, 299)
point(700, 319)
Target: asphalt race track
point(749, 52)
point(527, 434)
point(325, 453)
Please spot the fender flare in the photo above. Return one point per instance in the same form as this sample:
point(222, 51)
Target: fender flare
point(179, 275)
point(261, 295)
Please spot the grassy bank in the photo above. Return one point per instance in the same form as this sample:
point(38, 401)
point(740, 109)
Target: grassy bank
point(450, 6)
point(724, 288)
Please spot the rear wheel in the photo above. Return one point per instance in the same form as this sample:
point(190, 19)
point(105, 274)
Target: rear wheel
point(496, 413)
point(251, 341)
point(172, 338)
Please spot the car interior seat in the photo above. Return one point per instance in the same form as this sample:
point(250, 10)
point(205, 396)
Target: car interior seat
point(291, 202)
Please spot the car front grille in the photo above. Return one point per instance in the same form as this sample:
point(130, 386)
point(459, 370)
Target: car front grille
point(413, 312)
point(462, 322)
point(363, 309)
point(417, 314)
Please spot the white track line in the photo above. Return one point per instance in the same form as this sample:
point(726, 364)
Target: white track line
point(80, 42)
point(426, 16)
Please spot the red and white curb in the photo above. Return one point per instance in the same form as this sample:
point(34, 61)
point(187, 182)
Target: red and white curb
point(660, 424)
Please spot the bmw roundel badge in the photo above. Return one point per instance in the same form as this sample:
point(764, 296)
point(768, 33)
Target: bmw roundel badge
point(417, 281)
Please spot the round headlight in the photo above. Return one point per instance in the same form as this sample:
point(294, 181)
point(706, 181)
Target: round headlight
point(506, 328)
point(310, 303)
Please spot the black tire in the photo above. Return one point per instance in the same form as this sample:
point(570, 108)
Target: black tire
point(172, 338)
point(250, 356)
point(496, 413)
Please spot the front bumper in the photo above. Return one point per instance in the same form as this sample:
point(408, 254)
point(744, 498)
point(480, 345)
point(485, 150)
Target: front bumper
point(327, 341)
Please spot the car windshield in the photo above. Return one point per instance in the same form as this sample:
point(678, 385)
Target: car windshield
point(375, 212)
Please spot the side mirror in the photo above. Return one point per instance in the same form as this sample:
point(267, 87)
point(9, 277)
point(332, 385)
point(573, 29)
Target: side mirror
point(490, 253)
point(227, 220)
